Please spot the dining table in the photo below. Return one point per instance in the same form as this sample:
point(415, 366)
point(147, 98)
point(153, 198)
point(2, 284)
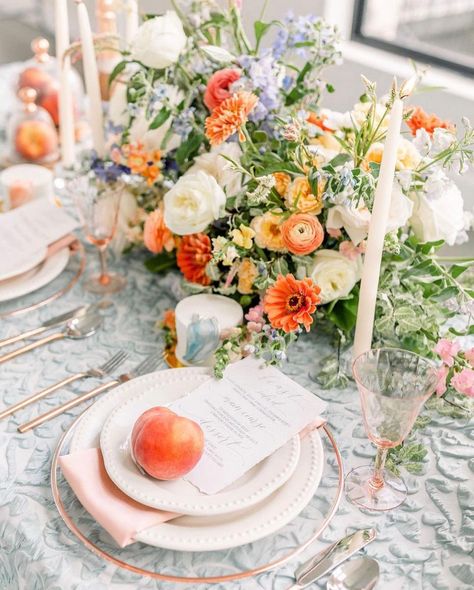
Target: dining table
point(427, 543)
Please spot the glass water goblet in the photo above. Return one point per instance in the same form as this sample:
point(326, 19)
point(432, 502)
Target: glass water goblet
point(393, 384)
point(98, 208)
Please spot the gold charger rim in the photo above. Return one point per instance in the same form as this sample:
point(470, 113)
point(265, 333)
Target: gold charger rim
point(71, 525)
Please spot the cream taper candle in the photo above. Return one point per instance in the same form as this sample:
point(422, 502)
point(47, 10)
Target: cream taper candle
point(91, 77)
point(66, 104)
point(131, 21)
point(378, 225)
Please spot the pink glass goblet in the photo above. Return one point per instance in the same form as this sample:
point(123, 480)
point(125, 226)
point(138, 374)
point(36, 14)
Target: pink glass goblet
point(393, 384)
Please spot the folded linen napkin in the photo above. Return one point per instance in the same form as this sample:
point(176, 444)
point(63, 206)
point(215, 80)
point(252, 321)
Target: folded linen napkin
point(120, 516)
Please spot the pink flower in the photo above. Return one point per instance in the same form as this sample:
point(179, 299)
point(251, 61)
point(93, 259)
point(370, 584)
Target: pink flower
point(442, 374)
point(333, 232)
point(469, 356)
point(348, 250)
point(463, 382)
point(254, 317)
point(447, 349)
point(218, 87)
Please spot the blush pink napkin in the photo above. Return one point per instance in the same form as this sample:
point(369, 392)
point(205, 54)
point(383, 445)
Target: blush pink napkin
point(64, 242)
point(120, 516)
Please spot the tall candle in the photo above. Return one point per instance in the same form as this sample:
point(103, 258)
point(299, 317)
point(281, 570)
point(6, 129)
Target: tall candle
point(131, 21)
point(91, 77)
point(66, 105)
point(377, 229)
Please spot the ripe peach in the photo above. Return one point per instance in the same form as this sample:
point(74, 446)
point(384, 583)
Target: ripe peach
point(35, 140)
point(50, 102)
point(36, 78)
point(165, 445)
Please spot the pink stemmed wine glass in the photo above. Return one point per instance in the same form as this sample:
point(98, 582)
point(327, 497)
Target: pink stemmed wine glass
point(393, 384)
point(98, 208)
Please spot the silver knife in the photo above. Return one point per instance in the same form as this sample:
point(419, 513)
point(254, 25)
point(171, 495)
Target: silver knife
point(145, 367)
point(329, 558)
point(56, 321)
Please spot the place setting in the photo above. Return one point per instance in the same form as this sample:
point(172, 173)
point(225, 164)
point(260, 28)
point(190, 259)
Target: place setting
point(270, 382)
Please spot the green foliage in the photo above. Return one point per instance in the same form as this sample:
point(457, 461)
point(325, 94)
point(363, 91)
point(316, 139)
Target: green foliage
point(161, 263)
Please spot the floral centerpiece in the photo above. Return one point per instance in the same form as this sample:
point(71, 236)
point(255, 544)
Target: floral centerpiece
point(240, 178)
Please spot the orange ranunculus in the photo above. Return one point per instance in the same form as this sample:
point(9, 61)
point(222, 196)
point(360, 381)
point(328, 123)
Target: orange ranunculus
point(282, 182)
point(156, 235)
point(318, 120)
point(218, 87)
point(194, 252)
point(302, 234)
point(420, 119)
point(229, 116)
point(291, 302)
point(142, 162)
point(301, 197)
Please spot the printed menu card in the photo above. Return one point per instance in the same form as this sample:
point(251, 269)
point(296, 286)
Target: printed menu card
point(27, 229)
point(246, 416)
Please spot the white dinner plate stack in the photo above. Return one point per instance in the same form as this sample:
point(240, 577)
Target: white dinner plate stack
point(263, 500)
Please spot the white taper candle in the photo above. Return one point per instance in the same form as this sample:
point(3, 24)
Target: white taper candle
point(66, 104)
point(131, 21)
point(91, 77)
point(376, 236)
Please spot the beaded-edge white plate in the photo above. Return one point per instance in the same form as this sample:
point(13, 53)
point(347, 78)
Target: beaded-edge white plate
point(191, 533)
point(179, 495)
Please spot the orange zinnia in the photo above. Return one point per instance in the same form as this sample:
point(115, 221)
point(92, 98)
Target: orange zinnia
point(194, 252)
point(291, 302)
point(420, 119)
point(228, 118)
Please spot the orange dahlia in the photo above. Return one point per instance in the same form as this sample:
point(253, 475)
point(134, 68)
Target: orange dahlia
point(291, 302)
point(420, 119)
point(194, 252)
point(228, 118)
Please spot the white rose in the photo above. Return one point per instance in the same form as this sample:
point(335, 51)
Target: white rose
point(356, 220)
point(194, 202)
point(335, 274)
point(159, 41)
point(438, 214)
point(217, 166)
point(152, 139)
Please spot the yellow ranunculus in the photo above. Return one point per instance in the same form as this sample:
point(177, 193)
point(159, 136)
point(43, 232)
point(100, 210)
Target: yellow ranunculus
point(302, 199)
point(268, 232)
point(247, 274)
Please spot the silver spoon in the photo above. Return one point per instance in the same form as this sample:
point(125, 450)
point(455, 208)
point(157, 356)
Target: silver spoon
point(358, 574)
point(75, 329)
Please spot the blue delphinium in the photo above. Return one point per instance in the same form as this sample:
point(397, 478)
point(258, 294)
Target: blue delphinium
point(108, 172)
point(183, 122)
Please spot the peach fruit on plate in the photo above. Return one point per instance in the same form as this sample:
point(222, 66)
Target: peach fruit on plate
point(165, 445)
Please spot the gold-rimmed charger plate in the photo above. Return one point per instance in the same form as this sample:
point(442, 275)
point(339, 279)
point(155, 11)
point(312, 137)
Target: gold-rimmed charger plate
point(219, 566)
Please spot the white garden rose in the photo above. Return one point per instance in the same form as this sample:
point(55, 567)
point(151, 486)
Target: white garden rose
point(217, 166)
point(356, 220)
point(438, 212)
point(335, 274)
point(159, 41)
point(194, 202)
point(152, 139)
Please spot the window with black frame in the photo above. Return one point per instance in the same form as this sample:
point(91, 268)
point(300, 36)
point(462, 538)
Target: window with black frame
point(438, 32)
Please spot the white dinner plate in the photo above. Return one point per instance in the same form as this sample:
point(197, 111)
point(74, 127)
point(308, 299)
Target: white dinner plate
point(212, 533)
point(179, 495)
point(9, 271)
point(36, 278)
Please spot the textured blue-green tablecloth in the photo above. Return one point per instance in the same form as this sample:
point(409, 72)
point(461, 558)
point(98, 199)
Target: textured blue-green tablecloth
point(426, 543)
